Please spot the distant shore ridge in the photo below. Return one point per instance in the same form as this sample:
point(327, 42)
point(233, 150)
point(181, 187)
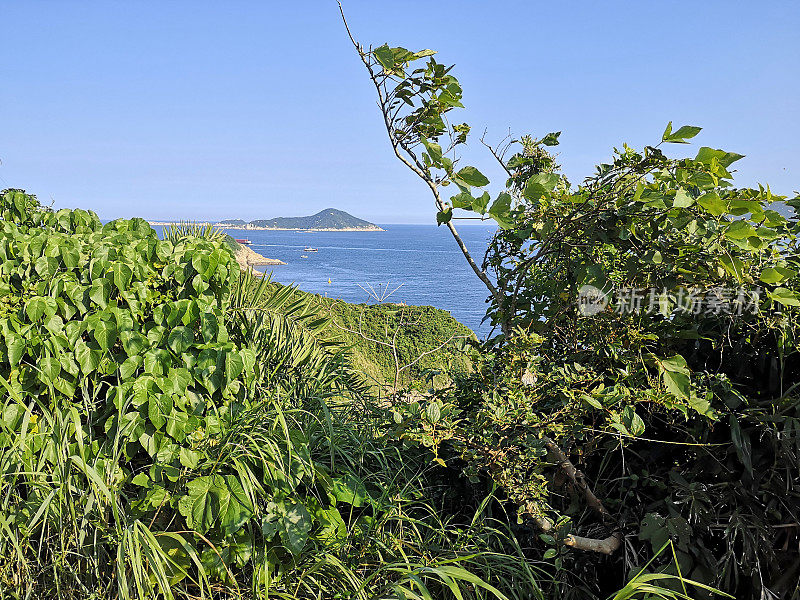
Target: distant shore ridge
point(329, 219)
point(248, 227)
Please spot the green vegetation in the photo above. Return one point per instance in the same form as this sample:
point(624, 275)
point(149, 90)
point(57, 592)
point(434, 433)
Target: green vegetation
point(612, 425)
point(329, 218)
point(232, 243)
point(173, 427)
point(396, 346)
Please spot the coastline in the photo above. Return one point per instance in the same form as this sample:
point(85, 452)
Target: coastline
point(255, 228)
point(247, 257)
point(331, 229)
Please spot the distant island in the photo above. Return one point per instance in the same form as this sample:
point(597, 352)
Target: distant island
point(329, 219)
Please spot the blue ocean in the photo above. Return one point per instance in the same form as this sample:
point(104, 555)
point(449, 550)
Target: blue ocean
point(423, 262)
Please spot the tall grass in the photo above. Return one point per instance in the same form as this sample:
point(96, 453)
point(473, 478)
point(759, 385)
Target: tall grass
point(71, 534)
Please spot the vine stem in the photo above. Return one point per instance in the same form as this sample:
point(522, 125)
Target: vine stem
point(407, 157)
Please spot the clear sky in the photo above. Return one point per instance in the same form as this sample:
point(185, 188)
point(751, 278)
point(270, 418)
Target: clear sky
point(258, 109)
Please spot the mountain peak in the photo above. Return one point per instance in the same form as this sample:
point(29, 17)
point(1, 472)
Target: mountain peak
point(326, 219)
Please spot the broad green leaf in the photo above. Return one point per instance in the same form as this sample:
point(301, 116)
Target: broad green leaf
point(675, 364)
point(591, 401)
point(176, 381)
point(726, 159)
point(200, 506)
point(269, 526)
point(784, 296)
point(433, 412)
point(177, 425)
point(122, 275)
point(141, 480)
point(88, 358)
point(462, 200)
point(70, 256)
point(349, 489)
point(676, 383)
point(214, 499)
point(739, 230)
point(480, 203)
point(384, 56)
point(551, 139)
point(681, 135)
point(434, 151)
point(540, 185)
point(632, 421)
point(293, 526)
point(249, 357)
point(733, 265)
point(35, 308)
point(500, 210)
point(234, 365)
point(702, 406)
point(159, 408)
point(209, 327)
point(133, 342)
point(124, 319)
point(15, 345)
point(189, 458)
point(105, 333)
point(502, 205)
point(156, 361)
point(180, 339)
point(424, 53)
point(100, 291)
point(771, 276)
point(50, 368)
point(712, 203)
point(444, 216)
point(473, 177)
point(156, 334)
point(682, 199)
point(129, 367)
point(332, 526)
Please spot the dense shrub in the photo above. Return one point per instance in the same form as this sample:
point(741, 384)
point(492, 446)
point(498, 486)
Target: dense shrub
point(398, 346)
point(166, 432)
point(614, 427)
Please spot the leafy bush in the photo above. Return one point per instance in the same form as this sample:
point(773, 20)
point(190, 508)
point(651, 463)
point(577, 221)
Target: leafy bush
point(173, 428)
point(684, 418)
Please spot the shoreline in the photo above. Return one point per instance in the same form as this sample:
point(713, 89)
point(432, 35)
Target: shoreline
point(254, 228)
point(247, 257)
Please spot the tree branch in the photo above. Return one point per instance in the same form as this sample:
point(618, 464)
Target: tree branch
point(607, 545)
point(413, 163)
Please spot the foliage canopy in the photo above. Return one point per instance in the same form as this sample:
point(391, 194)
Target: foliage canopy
point(684, 418)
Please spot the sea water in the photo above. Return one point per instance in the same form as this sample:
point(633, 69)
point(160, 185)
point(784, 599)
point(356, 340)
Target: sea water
point(421, 263)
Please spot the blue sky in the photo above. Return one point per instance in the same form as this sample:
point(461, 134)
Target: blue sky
point(259, 109)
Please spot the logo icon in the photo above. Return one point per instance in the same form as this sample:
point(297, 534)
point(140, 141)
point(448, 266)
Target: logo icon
point(591, 300)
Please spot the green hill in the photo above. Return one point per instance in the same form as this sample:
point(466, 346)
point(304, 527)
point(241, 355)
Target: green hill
point(426, 341)
point(329, 218)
